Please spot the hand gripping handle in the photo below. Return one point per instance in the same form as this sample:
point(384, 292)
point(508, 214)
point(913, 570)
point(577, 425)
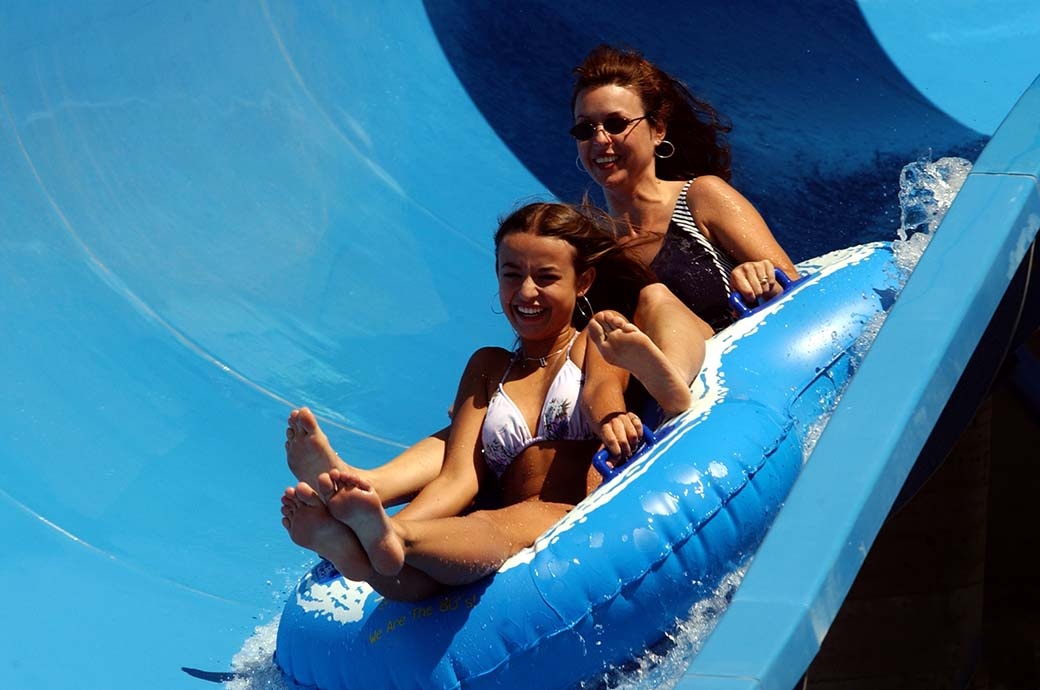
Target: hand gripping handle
point(599, 460)
point(737, 301)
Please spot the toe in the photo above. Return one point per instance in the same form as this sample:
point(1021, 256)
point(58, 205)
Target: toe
point(307, 495)
point(308, 423)
point(327, 486)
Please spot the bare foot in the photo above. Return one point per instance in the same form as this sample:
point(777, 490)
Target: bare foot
point(307, 448)
point(351, 500)
point(622, 344)
point(311, 526)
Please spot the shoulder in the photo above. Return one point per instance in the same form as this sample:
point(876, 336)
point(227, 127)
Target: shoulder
point(488, 360)
point(485, 369)
point(719, 209)
point(709, 190)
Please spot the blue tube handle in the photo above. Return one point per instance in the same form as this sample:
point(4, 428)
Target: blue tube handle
point(737, 302)
point(599, 460)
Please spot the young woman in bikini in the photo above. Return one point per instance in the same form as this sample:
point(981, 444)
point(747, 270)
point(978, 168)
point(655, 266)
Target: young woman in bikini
point(527, 420)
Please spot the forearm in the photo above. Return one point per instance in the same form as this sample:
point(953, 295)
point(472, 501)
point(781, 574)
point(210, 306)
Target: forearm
point(602, 399)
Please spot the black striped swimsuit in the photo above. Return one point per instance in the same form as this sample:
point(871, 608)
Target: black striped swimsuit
point(693, 269)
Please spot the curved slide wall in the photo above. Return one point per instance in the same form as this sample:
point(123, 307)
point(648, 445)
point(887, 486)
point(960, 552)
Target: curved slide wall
point(214, 211)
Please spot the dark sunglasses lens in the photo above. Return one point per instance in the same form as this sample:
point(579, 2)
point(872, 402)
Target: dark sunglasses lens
point(615, 125)
point(583, 131)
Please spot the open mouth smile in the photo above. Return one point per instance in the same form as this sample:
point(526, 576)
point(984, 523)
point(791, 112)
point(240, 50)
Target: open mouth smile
point(528, 312)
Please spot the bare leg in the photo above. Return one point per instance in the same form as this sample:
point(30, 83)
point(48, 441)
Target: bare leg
point(311, 526)
point(352, 501)
point(404, 476)
point(309, 454)
point(666, 375)
point(677, 331)
point(412, 558)
point(460, 550)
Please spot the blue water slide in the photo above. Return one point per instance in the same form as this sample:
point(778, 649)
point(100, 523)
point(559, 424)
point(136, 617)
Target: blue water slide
point(214, 211)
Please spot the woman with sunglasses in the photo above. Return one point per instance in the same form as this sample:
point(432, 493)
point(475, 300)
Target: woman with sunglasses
point(660, 157)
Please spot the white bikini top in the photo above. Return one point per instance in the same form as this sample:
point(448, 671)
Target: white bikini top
point(505, 433)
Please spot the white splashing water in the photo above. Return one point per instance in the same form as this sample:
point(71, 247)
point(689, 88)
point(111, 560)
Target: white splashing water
point(664, 670)
point(254, 664)
point(926, 190)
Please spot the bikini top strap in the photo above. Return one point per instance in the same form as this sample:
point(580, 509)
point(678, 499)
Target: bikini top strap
point(515, 355)
point(682, 193)
point(571, 344)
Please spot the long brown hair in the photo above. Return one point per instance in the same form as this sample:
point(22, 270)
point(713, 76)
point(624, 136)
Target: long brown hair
point(619, 277)
point(692, 125)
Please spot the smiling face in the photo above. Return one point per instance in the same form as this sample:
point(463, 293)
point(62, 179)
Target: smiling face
point(538, 284)
point(617, 162)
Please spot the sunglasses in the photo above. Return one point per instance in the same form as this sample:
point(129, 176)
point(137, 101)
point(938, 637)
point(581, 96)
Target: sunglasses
point(615, 124)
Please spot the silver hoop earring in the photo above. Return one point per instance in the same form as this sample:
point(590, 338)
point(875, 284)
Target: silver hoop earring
point(670, 149)
point(584, 308)
point(496, 301)
point(578, 165)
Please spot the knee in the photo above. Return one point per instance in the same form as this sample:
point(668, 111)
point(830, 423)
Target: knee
point(651, 298)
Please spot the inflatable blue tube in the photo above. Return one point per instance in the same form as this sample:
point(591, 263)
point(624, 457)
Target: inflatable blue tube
point(629, 562)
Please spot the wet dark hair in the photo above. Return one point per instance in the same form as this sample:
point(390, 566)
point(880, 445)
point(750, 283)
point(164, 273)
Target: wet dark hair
point(619, 277)
point(692, 125)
